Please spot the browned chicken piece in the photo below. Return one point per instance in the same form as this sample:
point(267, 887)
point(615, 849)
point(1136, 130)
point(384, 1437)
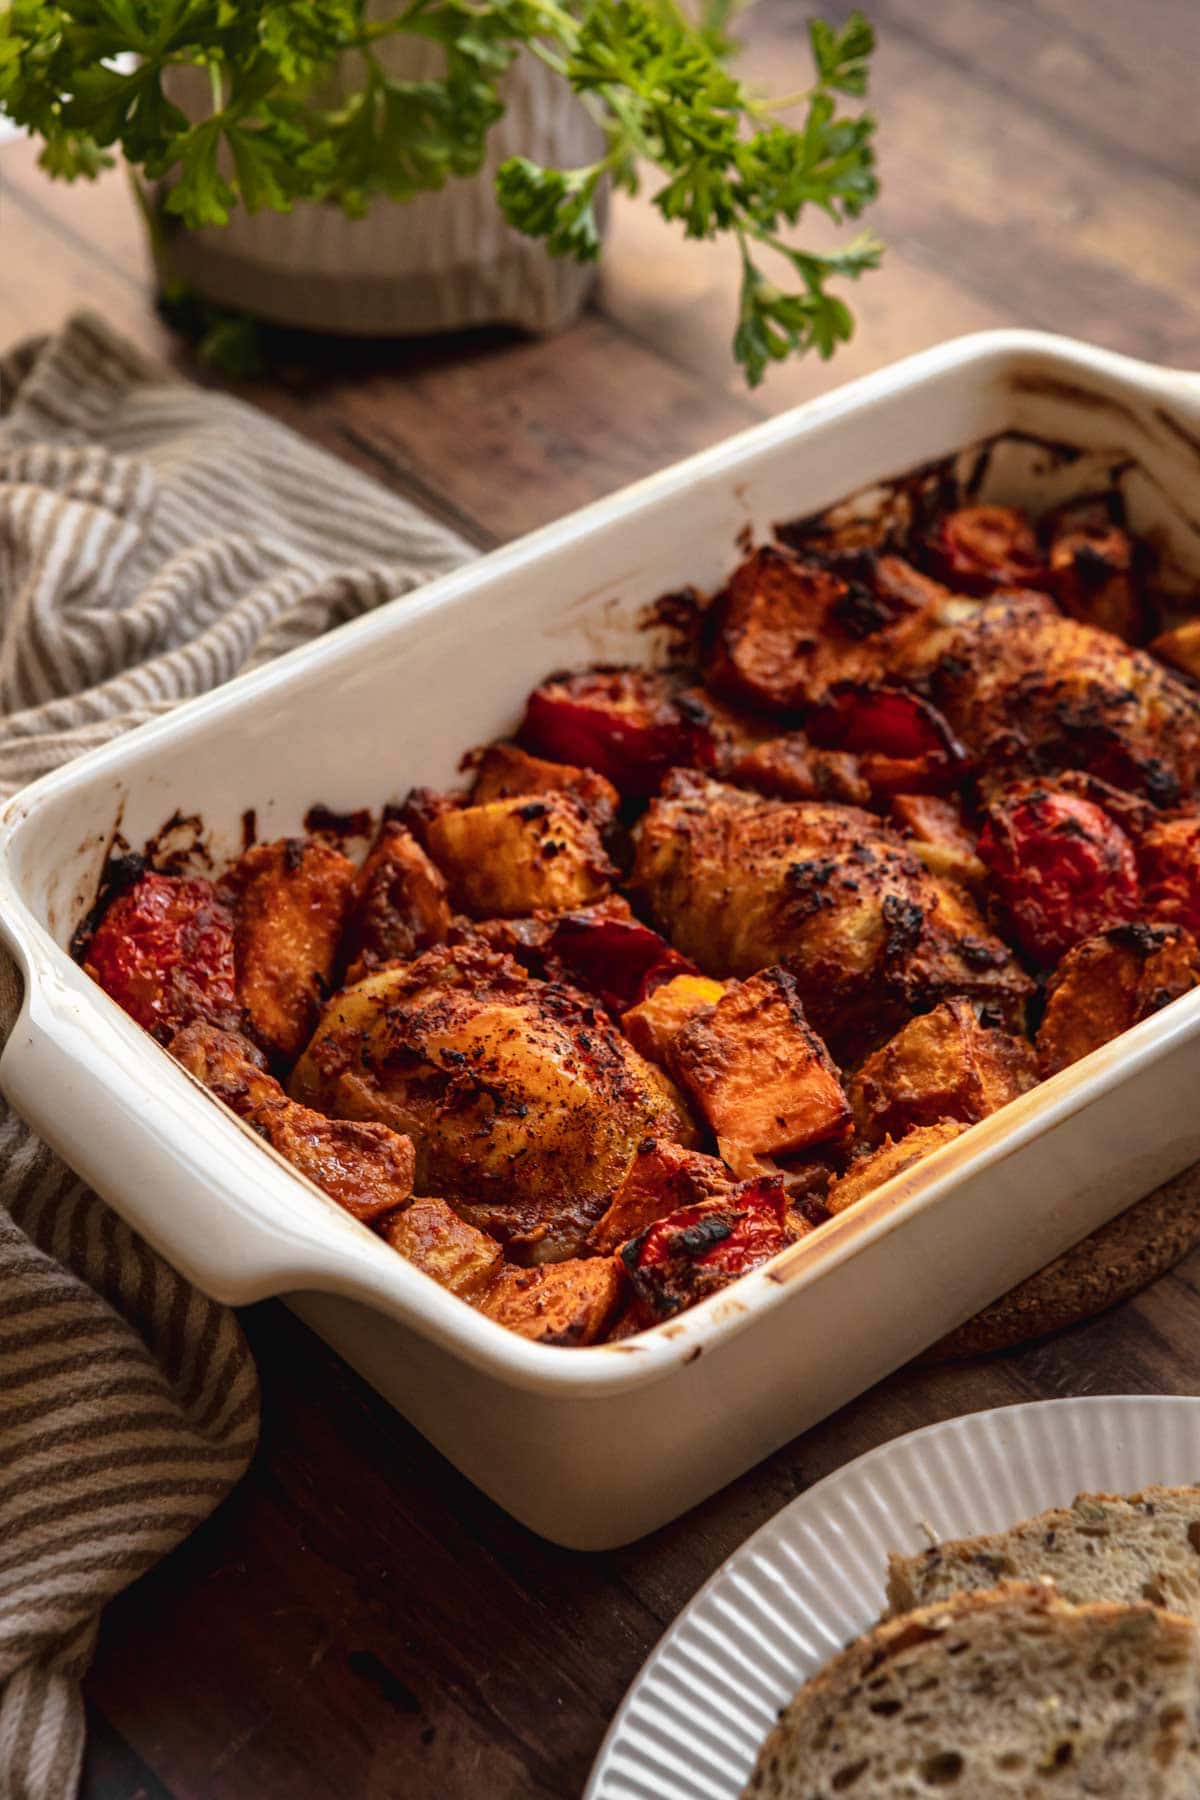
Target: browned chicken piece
point(652, 1026)
point(1094, 577)
point(1110, 982)
point(739, 883)
point(942, 1065)
point(398, 906)
point(1033, 692)
point(933, 827)
point(1180, 647)
point(525, 1104)
point(366, 1168)
point(871, 1171)
point(511, 857)
point(663, 1177)
point(569, 1303)
point(291, 899)
point(789, 768)
point(505, 770)
point(759, 1073)
point(430, 1235)
point(780, 642)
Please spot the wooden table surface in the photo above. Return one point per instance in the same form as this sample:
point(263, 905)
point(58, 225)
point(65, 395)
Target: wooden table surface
point(357, 1620)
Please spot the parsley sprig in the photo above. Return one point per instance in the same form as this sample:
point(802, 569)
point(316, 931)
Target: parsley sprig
point(87, 77)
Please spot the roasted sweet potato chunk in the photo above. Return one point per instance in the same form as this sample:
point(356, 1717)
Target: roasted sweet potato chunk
point(871, 1171)
point(664, 1176)
point(432, 1237)
point(505, 770)
point(620, 960)
point(290, 902)
point(942, 1065)
point(653, 1026)
point(630, 725)
point(1094, 577)
point(1062, 868)
point(1110, 982)
point(759, 1073)
point(559, 1303)
point(164, 952)
point(398, 905)
point(978, 548)
point(366, 1168)
point(790, 768)
point(1169, 861)
point(779, 643)
point(510, 857)
point(1180, 647)
point(700, 1249)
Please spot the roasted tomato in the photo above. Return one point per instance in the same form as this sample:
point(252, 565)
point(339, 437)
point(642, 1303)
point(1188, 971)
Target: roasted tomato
point(164, 952)
point(1062, 868)
point(700, 1249)
point(620, 960)
point(1169, 860)
point(979, 548)
point(1094, 576)
point(631, 725)
point(903, 744)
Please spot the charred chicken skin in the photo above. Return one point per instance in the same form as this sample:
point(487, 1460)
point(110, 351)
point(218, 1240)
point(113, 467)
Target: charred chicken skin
point(707, 955)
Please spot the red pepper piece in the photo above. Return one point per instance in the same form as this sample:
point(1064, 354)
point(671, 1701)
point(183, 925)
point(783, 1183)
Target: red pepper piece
point(1062, 868)
point(631, 725)
point(700, 1249)
point(904, 743)
point(978, 548)
point(620, 960)
point(164, 952)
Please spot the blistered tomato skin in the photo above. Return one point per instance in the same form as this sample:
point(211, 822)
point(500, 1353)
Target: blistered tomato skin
point(164, 952)
point(979, 548)
point(1062, 868)
point(628, 724)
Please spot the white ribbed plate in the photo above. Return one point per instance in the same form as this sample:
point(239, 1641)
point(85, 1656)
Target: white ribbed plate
point(812, 1578)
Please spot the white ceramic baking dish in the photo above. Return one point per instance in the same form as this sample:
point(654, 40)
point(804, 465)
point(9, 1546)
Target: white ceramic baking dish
point(594, 1447)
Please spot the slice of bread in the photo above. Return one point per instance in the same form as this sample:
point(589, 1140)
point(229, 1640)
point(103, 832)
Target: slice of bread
point(1012, 1694)
point(1103, 1547)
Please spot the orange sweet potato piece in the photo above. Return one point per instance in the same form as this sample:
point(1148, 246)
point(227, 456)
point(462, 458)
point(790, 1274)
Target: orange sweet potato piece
point(760, 1074)
point(398, 906)
point(654, 1025)
point(366, 1167)
point(566, 1303)
point(942, 1065)
point(779, 643)
point(290, 900)
point(663, 1177)
point(871, 1171)
point(1110, 982)
point(1094, 576)
point(430, 1234)
point(510, 857)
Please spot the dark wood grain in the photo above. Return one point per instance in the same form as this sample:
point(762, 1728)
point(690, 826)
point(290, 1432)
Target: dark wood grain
point(358, 1620)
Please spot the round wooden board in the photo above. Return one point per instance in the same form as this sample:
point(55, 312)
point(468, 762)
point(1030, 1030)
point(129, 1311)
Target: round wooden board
point(1112, 1264)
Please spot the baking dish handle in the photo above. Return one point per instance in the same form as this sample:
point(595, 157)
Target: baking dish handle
point(78, 1083)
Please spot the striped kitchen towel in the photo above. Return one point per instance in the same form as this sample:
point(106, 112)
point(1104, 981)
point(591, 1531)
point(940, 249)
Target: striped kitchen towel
point(154, 540)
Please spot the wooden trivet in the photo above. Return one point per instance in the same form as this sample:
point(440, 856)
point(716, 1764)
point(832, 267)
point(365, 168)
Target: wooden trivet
point(1112, 1264)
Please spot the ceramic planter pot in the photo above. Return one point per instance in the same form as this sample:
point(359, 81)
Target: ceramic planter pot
point(436, 263)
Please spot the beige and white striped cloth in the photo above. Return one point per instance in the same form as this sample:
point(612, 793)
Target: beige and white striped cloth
point(154, 540)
